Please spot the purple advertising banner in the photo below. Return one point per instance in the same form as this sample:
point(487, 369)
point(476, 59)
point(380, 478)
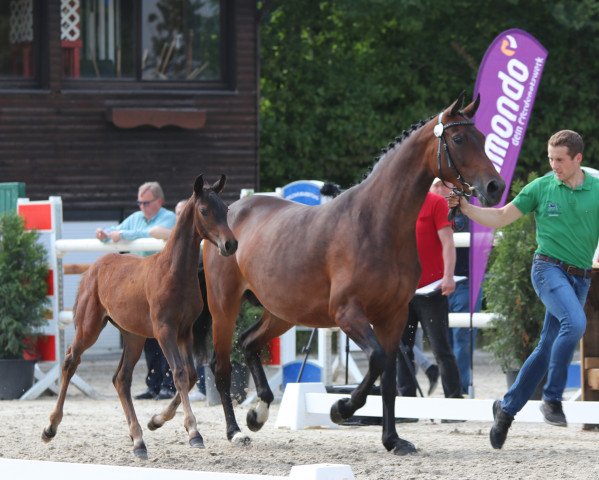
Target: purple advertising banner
point(507, 82)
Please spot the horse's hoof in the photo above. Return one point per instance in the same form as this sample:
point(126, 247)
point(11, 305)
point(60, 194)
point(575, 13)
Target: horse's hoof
point(48, 434)
point(241, 440)
point(252, 421)
point(403, 447)
point(153, 425)
point(141, 453)
point(197, 442)
point(339, 411)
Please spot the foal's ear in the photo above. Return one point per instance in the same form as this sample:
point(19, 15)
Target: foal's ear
point(471, 109)
point(457, 105)
point(198, 186)
point(218, 186)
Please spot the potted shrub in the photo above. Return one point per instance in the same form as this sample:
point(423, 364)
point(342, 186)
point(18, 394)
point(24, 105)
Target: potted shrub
point(509, 293)
point(23, 298)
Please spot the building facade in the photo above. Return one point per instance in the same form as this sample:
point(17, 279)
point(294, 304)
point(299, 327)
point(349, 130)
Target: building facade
point(99, 96)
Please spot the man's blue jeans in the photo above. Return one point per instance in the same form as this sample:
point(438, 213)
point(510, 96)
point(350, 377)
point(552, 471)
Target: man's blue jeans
point(459, 301)
point(563, 295)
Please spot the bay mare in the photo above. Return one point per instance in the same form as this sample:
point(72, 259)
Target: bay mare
point(351, 262)
point(156, 296)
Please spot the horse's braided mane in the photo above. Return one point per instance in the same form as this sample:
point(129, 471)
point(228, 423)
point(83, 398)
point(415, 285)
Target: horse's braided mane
point(396, 141)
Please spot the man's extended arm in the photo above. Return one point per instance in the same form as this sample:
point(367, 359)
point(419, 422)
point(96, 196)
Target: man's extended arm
point(489, 217)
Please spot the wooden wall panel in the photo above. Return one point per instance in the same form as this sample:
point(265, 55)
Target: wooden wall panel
point(58, 140)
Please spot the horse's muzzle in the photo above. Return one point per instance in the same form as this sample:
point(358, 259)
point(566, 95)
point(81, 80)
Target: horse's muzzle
point(491, 193)
point(228, 248)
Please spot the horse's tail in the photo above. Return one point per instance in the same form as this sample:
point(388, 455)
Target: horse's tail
point(203, 325)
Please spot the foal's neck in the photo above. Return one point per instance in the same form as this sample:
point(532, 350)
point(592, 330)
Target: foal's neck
point(182, 250)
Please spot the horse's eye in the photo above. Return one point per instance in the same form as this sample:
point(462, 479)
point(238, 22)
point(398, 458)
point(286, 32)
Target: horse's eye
point(458, 139)
point(204, 211)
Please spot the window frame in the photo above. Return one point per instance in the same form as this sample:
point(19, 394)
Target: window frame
point(139, 84)
point(39, 51)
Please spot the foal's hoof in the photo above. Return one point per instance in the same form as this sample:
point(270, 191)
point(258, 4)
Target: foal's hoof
point(153, 425)
point(197, 442)
point(48, 434)
point(141, 453)
point(340, 411)
point(252, 421)
point(403, 447)
point(241, 440)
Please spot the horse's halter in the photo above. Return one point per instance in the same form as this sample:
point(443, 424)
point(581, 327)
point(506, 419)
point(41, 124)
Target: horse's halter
point(438, 132)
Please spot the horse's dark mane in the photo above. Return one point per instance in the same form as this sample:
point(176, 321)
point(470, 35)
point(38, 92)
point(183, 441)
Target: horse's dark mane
point(395, 143)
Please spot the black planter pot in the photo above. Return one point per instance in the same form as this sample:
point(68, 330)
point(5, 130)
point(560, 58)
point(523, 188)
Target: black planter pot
point(16, 377)
point(510, 377)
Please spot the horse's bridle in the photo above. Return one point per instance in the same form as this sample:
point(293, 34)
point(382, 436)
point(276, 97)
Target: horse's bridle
point(438, 132)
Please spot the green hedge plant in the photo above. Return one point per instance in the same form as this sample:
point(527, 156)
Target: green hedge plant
point(23, 285)
point(516, 328)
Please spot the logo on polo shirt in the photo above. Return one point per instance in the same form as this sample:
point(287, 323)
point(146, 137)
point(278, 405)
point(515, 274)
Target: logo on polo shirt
point(552, 209)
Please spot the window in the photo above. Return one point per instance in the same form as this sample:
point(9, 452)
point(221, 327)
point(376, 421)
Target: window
point(18, 39)
point(144, 40)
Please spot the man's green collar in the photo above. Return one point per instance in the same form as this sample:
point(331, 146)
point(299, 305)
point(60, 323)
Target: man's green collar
point(586, 185)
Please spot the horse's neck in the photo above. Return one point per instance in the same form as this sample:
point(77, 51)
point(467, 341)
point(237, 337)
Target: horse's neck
point(399, 182)
point(182, 250)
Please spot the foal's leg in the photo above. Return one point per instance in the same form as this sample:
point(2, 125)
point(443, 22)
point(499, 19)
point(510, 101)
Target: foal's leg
point(132, 347)
point(252, 342)
point(181, 376)
point(168, 413)
point(89, 319)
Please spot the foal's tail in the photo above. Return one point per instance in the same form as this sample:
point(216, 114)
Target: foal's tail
point(83, 289)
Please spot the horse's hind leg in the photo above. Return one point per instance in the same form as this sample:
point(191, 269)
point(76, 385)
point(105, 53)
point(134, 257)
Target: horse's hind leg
point(252, 342)
point(132, 348)
point(88, 315)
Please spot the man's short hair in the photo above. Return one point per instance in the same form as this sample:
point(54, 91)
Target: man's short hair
point(153, 187)
point(569, 139)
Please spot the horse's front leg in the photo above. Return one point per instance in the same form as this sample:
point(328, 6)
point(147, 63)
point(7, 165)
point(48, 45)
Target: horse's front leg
point(356, 326)
point(132, 348)
point(221, 367)
point(381, 362)
point(252, 342)
point(391, 440)
point(181, 377)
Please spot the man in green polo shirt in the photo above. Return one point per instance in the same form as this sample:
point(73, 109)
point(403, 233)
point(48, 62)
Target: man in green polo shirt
point(566, 209)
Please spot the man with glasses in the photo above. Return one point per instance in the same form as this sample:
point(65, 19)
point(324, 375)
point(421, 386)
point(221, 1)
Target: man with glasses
point(142, 224)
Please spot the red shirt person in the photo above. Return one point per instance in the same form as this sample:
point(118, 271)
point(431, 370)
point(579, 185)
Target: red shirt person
point(434, 238)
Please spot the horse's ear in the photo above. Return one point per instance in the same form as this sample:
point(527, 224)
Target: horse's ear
point(198, 186)
point(218, 186)
point(457, 105)
point(471, 109)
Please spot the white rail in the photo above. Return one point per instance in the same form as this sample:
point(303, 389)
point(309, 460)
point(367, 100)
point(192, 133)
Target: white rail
point(75, 471)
